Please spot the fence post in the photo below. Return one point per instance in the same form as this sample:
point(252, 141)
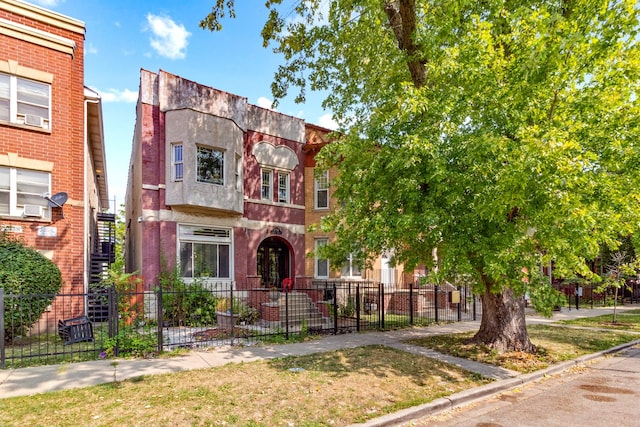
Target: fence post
point(286, 315)
point(435, 300)
point(411, 304)
point(459, 303)
point(358, 307)
point(335, 310)
point(112, 304)
point(473, 297)
point(233, 320)
point(381, 285)
point(2, 355)
point(159, 318)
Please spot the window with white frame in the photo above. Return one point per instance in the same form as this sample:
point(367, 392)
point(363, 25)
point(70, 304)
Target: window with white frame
point(22, 192)
point(177, 162)
point(266, 191)
point(238, 173)
point(283, 187)
point(321, 264)
point(352, 267)
point(210, 166)
point(25, 101)
point(322, 190)
point(205, 252)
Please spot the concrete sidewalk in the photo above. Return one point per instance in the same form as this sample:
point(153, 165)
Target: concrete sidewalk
point(43, 379)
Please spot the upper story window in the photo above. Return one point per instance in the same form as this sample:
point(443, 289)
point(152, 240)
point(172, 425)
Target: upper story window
point(22, 191)
point(283, 187)
point(24, 101)
point(266, 189)
point(321, 198)
point(210, 166)
point(177, 162)
point(238, 173)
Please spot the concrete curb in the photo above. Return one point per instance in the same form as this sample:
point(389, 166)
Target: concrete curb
point(472, 395)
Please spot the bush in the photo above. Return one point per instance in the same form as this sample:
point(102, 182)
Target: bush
point(24, 271)
point(183, 304)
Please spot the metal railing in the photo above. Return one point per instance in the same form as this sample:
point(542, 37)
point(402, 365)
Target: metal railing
point(144, 323)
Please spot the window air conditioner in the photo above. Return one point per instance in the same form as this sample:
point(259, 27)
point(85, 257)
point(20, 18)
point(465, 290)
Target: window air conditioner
point(31, 120)
point(33, 211)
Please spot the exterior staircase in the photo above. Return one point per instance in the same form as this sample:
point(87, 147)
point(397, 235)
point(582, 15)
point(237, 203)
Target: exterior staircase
point(102, 256)
point(301, 310)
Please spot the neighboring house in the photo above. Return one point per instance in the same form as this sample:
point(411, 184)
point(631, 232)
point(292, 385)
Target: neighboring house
point(53, 182)
point(215, 187)
point(319, 201)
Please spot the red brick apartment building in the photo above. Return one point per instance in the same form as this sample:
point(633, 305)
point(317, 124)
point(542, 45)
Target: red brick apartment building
point(51, 145)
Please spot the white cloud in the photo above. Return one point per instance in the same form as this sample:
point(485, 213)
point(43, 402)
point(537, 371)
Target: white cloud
point(90, 48)
point(264, 103)
point(327, 121)
point(115, 95)
point(48, 3)
point(169, 39)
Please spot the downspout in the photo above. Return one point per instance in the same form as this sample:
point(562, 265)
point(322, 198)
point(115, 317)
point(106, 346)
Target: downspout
point(85, 245)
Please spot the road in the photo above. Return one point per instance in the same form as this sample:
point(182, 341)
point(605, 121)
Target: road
point(604, 392)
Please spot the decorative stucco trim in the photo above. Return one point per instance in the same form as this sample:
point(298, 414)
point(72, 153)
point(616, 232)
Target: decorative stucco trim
point(15, 161)
point(271, 203)
point(43, 15)
point(12, 67)
point(275, 156)
point(38, 37)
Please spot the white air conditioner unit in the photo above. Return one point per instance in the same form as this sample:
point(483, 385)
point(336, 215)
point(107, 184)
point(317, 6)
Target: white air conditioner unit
point(33, 211)
point(31, 120)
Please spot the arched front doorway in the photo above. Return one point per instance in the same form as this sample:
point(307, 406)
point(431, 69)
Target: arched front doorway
point(274, 262)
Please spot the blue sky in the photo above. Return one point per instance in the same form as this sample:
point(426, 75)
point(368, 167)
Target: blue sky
point(123, 36)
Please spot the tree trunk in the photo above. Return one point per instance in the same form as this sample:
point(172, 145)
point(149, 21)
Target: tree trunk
point(503, 326)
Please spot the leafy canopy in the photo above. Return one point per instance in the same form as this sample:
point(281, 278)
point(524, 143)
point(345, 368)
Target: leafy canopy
point(505, 133)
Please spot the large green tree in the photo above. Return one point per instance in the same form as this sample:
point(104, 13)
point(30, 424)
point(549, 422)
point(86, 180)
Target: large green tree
point(504, 133)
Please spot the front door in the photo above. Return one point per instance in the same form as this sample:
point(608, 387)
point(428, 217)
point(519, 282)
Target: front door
point(273, 262)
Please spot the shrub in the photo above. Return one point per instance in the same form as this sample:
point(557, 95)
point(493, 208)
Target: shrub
point(186, 304)
point(25, 271)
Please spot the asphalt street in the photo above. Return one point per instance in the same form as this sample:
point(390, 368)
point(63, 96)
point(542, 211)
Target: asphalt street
point(604, 392)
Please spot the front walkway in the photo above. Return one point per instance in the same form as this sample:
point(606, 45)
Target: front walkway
point(42, 379)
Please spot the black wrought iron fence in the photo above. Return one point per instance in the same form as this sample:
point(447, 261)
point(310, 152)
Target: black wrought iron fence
point(146, 323)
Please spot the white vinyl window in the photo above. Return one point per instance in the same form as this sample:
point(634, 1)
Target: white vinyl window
point(22, 192)
point(177, 162)
point(238, 173)
point(205, 252)
point(266, 189)
point(351, 268)
point(283, 187)
point(321, 199)
point(25, 101)
point(210, 166)
point(321, 264)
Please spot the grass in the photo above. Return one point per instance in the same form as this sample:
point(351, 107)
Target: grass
point(555, 344)
point(333, 388)
point(625, 321)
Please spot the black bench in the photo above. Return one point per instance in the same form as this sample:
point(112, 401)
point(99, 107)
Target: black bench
point(77, 329)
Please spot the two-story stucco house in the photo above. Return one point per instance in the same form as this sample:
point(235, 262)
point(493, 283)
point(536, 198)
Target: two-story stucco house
point(215, 187)
point(53, 182)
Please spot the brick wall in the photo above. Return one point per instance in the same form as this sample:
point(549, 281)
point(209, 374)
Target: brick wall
point(63, 145)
